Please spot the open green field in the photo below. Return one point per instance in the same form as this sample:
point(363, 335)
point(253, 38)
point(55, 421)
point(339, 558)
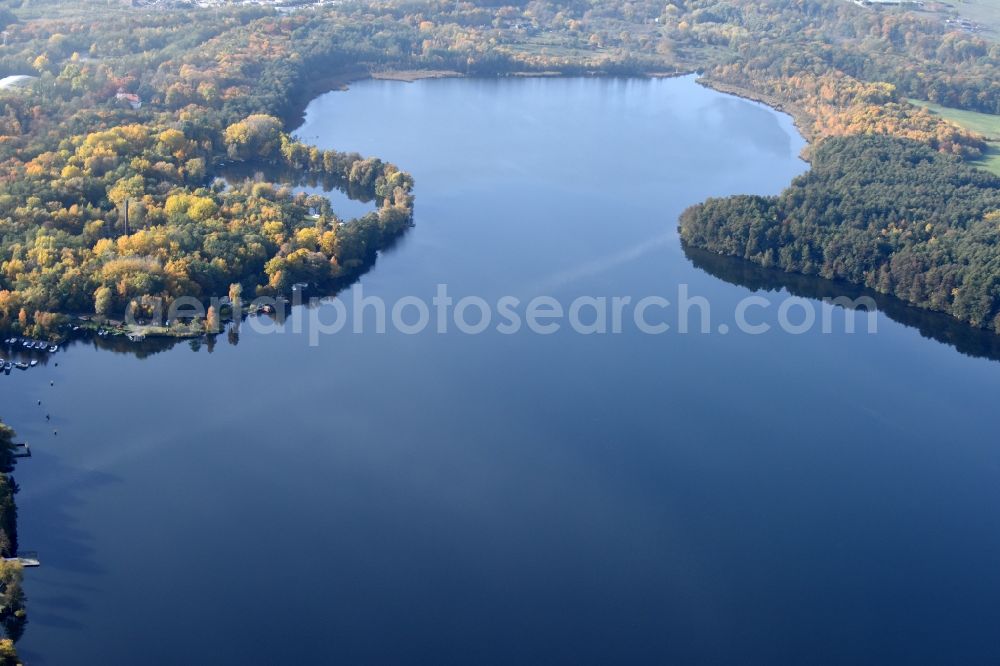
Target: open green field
point(992, 159)
point(984, 123)
point(984, 12)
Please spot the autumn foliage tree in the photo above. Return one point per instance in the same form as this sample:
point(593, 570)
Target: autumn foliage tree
point(257, 137)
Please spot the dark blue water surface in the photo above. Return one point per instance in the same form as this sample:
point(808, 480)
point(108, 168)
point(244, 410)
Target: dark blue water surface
point(439, 499)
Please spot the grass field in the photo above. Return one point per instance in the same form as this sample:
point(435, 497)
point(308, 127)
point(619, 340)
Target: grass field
point(984, 12)
point(986, 124)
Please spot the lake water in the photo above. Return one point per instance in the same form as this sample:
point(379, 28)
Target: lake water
point(776, 498)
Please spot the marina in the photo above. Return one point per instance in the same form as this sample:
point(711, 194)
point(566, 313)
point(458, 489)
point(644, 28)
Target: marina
point(23, 353)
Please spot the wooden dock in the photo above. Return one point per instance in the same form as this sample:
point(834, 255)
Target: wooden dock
point(29, 559)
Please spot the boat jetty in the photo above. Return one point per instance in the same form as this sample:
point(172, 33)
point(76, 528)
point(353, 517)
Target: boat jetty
point(25, 348)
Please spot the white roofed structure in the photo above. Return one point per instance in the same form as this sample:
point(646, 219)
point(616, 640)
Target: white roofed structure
point(16, 81)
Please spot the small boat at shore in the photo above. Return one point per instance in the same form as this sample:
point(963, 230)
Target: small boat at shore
point(33, 363)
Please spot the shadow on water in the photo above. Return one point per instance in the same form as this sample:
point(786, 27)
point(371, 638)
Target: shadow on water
point(974, 342)
point(48, 504)
point(239, 172)
point(150, 346)
point(233, 174)
point(50, 500)
point(145, 349)
point(115, 344)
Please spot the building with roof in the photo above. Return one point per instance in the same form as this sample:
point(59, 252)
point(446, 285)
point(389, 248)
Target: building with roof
point(16, 81)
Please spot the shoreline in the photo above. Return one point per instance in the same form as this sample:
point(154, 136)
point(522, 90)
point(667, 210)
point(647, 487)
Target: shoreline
point(799, 117)
point(801, 120)
point(341, 80)
point(411, 75)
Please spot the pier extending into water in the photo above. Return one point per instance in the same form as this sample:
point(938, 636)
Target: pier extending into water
point(27, 559)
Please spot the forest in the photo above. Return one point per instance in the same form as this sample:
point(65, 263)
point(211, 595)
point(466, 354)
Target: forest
point(13, 615)
point(887, 213)
point(147, 105)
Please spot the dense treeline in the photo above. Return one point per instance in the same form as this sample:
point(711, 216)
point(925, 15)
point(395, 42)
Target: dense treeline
point(8, 516)
point(8, 510)
point(884, 212)
point(12, 600)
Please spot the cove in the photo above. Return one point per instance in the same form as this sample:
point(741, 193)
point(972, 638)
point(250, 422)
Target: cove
point(522, 498)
